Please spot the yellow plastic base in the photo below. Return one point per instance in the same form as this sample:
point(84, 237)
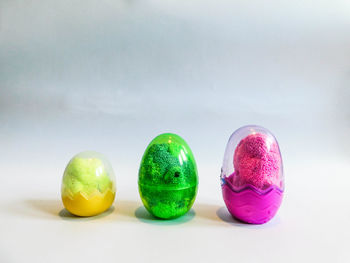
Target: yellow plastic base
point(79, 205)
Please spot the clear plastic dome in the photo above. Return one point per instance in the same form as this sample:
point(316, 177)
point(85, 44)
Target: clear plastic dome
point(88, 184)
point(252, 178)
point(252, 157)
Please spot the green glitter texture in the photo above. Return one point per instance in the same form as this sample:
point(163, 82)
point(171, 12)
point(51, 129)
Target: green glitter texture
point(168, 177)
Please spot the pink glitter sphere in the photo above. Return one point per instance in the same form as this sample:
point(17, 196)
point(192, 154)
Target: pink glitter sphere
point(257, 162)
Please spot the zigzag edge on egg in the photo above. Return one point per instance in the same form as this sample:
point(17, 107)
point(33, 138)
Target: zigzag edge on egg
point(71, 196)
point(252, 205)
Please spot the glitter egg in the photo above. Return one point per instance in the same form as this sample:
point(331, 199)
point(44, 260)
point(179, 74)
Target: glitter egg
point(168, 177)
point(252, 178)
point(88, 184)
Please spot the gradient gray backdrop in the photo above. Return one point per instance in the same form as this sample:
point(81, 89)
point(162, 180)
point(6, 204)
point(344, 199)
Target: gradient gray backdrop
point(111, 75)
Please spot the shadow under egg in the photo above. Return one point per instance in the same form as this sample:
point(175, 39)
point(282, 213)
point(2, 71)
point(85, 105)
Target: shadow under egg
point(66, 215)
point(225, 216)
point(144, 216)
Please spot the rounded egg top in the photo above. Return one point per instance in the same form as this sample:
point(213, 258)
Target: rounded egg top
point(168, 162)
point(253, 158)
point(88, 172)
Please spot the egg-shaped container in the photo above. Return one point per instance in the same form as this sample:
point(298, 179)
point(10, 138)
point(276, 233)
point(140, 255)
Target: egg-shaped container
point(168, 177)
point(252, 178)
point(88, 184)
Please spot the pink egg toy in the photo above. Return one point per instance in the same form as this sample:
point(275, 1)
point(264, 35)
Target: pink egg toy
point(252, 175)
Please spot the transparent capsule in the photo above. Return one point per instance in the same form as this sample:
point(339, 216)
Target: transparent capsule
point(168, 177)
point(88, 184)
point(252, 175)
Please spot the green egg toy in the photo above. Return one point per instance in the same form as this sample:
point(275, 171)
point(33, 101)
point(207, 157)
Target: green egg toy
point(168, 179)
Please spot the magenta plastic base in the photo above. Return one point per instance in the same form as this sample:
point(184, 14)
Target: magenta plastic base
point(250, 205)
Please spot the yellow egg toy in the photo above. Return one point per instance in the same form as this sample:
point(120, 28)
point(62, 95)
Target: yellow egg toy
point(88, 184)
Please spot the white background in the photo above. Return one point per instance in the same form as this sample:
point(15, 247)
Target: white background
point(111, 75)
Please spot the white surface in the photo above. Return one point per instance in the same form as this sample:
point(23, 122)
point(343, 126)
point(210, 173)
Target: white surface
point(111, 75)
